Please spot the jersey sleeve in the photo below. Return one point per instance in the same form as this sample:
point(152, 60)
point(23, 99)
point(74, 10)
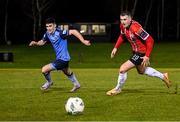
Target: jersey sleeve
point(122, 29)
point(119, 41)
point(45, 37)
point(139, 31)
point(64, 34)
point(149, 41)
point(149, 45)
point(120, 38)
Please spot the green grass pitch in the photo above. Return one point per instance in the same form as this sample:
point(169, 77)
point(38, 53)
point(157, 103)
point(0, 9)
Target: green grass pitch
point(142, 99)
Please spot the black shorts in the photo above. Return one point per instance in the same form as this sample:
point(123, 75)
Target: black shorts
point(60, 64)
point(136, 58)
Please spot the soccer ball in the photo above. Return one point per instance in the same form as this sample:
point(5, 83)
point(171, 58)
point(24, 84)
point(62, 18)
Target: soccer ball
point(74, 105)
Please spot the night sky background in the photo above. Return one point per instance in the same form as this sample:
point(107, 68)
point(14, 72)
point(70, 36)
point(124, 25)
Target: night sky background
point(20, 25)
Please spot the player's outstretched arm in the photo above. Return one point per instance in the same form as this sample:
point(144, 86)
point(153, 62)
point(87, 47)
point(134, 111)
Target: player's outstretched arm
point(117, 45)
point(79, 36)
point(39, 43)
point(113, 52)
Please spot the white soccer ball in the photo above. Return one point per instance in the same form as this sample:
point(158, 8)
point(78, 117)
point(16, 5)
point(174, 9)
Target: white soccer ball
point(74, 105)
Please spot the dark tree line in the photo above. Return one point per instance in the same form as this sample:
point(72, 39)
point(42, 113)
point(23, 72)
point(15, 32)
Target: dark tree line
point(33, 9)
point(157, 16)
point(162, 15)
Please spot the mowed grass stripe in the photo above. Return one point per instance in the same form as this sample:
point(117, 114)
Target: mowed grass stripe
point(143, 98)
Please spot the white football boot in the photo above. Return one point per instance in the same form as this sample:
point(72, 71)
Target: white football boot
point(46, 85)
point(75, 88)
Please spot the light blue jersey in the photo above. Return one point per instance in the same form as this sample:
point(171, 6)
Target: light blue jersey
point(59, 43)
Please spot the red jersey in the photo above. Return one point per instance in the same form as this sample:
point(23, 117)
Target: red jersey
point(140, 40)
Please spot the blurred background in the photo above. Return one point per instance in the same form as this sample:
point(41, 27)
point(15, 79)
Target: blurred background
point(23, 20)
point(98, 20)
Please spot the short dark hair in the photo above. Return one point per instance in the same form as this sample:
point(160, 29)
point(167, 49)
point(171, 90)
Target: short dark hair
point(123, 13)
point(50, 20)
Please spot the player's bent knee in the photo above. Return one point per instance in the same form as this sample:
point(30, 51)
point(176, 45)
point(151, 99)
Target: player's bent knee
point(44, 70)
point(122, 71)
point(68, 74)
point(141, 73)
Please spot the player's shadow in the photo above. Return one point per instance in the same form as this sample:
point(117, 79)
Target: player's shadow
point(63, 90)
point(146, 91)
point(58, 88)
point(53, 89)
point(150, 91)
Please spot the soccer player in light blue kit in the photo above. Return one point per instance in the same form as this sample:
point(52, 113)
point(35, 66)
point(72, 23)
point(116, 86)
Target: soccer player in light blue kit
point(57, 37)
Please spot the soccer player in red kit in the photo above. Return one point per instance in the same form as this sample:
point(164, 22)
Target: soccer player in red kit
point(142, 45)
